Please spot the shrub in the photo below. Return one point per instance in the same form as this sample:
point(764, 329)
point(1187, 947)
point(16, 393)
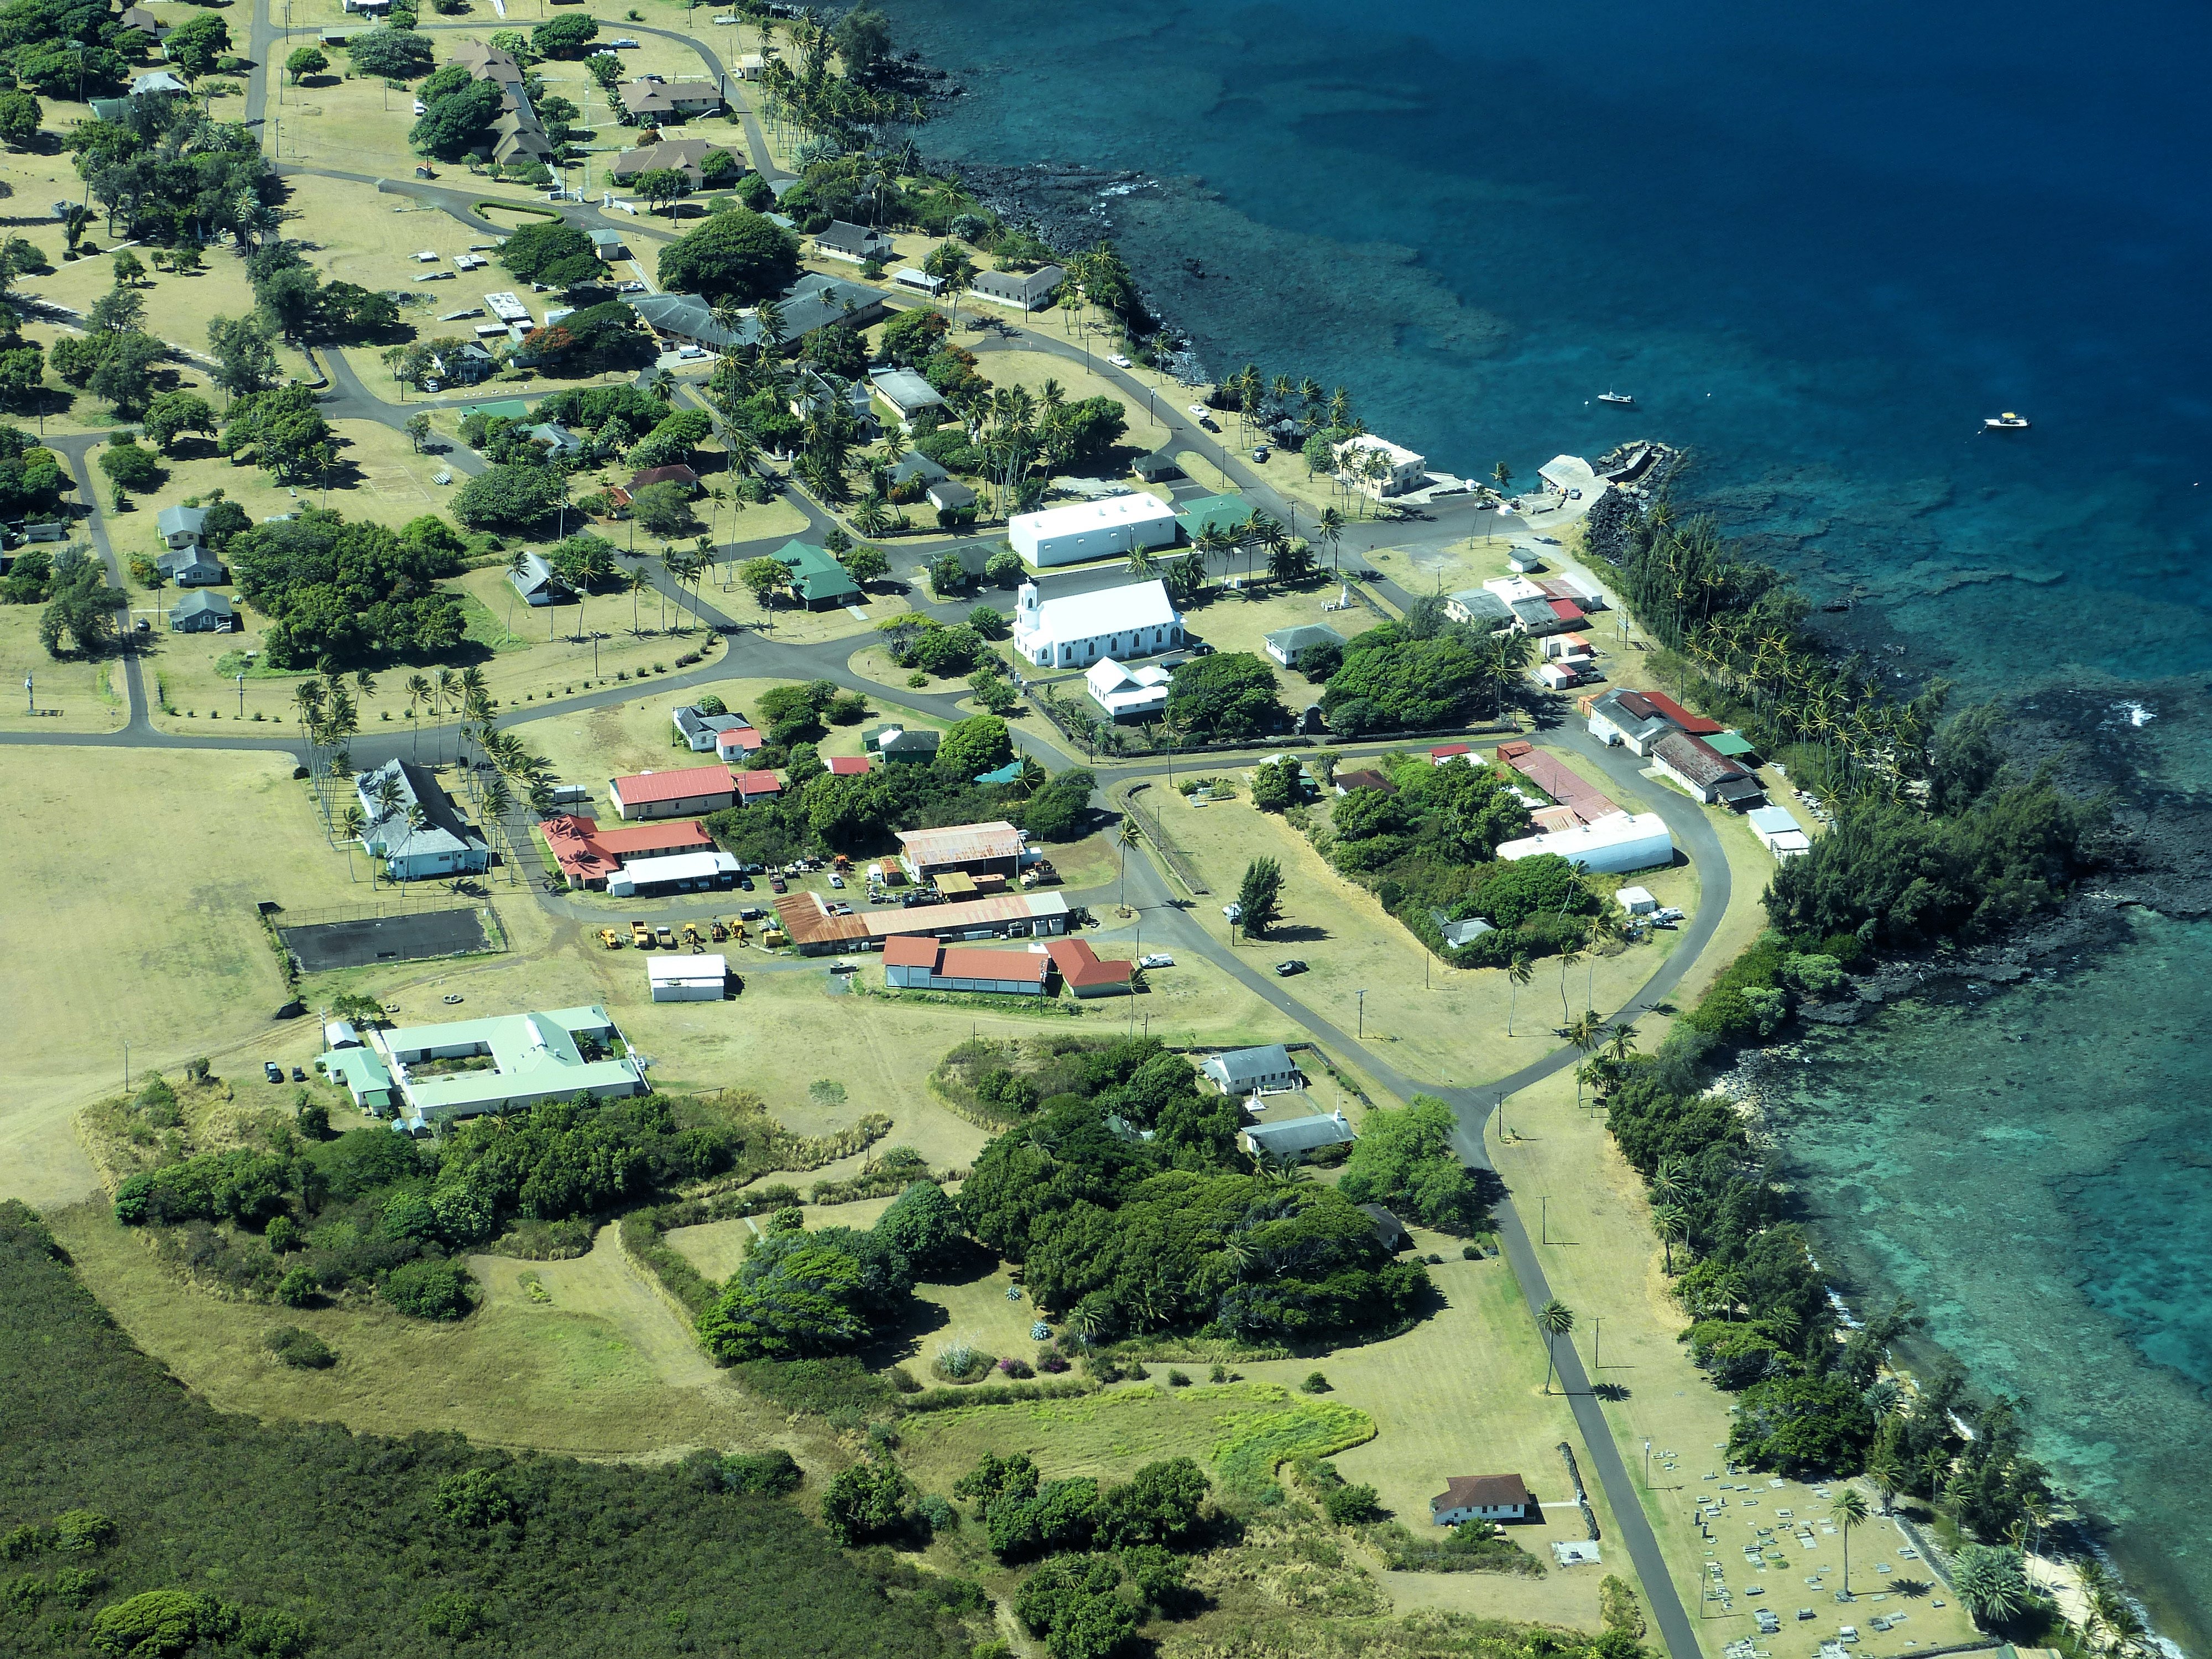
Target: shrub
point(1315, 1383)
point(430, 1290)
point(301, 1349)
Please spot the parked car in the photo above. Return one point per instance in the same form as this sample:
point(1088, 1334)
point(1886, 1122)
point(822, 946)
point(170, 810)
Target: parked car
point(751, 913)
point(1234, 911)
point(1207, 420)
point(272, 1071)
point(625, 44)
point(690, 351)
point(1157, 959)
point(421, 108)
point(1284, 969)
point(433, 385)
point(837, 881)
point(1260, 453)
point(778, 885)
point(1118, 361)
point(1198, 410)
point(299, 1074)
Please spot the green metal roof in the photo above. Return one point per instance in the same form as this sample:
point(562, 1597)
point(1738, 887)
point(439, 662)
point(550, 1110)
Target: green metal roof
point(1731, 744)
point(1230, 511)
point(815, 573)
point(514, 409)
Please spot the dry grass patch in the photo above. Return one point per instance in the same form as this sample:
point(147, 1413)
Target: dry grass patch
point(87, 692)
point(602, 1368)
point(137, 873)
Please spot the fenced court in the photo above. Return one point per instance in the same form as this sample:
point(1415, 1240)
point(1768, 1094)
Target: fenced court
point(361, 936)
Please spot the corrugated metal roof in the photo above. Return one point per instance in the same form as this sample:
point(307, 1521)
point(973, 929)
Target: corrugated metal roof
point(976, 913)
point(910, 950)
point(1023, 966)
point(680, 785)
point(962, 843)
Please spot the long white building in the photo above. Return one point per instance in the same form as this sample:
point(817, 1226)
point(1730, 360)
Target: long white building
point(1092, 530)
point(1074, 632)
point(1613, 846)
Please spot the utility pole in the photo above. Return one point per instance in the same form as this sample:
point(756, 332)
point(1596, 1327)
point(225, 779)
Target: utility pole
point(241, 694)
point(1363, 1016)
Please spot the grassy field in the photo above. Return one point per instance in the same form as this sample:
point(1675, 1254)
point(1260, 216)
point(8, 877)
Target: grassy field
point(1604, 1262)
point(604, 1369)
point(133, 920)
point(86, 693)
point(1432, 1021)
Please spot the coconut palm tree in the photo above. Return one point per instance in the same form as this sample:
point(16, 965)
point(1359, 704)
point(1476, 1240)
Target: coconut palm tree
point(418, 693)
point(446, 689)
point(1670, 1182)
point(1555, 1319)
point(1569, 955)
point(1608, 926)
point(1518, 972)
point(1586, 1033)
point(1888, 1474)
point(1673, 1222)
point(1848, 1511)
point(352, 824)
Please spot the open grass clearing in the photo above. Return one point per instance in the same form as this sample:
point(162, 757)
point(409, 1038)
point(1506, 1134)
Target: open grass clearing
point(589, 746)
point(136, 876)
point(1604, 1262)
point(1432, 1021)
point(604, 1369)
point(86, 694)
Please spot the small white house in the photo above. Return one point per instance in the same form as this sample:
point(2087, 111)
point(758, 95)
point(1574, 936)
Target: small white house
point(687, 978)
point(1137, 620)
point(1265, 1070)
point(1480, 1498)
point(1092, 530)
point(1128, 693)
point(1778, 831)
point(1637, 900)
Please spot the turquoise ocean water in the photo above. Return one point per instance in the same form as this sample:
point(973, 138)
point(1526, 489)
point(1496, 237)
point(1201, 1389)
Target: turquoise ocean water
point(1818, 246)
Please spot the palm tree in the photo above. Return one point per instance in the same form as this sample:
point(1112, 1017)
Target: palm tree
point(1141, 564)
point(1569, 955)
point(1849, 1510)
point(1555, 1319)
point(353, 825)
point(637, 582)
point(1131, 836)
point(1587, 1032)
point(1332, 532)
point(1518, 972)
point(446, 691)
point(1888, 1475)
point(498, 802)
point(1674, 1225)
point(1608, 926)
point(518, 567)
point(418, 694)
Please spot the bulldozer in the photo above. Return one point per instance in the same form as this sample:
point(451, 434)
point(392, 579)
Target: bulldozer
point(610, 939)
point(716, 932)
point(641, 936)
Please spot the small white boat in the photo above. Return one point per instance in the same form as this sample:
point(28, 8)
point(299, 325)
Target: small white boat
point(2006, 422)
point(1621, 398)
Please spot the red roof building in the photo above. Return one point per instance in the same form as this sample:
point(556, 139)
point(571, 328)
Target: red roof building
point(1563, 785)
point(587, 854)
point(1084, 974)
point(1567, 611)
point(1449, 751)
point(678, 474)
point(848, 766)
point(687, 790)
point(737, 740)
point(757, 786)
point(922, 964)
point(1696, 725)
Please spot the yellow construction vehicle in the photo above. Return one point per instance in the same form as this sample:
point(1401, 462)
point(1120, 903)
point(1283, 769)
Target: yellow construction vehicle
point(691, 934)
point(641, 936)
point(666, 935)
point(737, 932)
point(611, 939)
point(775, 939)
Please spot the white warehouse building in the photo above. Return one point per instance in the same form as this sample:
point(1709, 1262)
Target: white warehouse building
point(1074, 632)
point(1092, 530)
point(1615, 844)
point(687, 978)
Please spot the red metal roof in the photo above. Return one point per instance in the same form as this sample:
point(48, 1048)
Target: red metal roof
point(961, 843)
point(1556, 781)
point(758, 783)
point(680, 785)
point(1696, 725)
point(586, 853)
point(1566, 611)
point(676, 474)
point(1448, 750)
point(1079, 964)
point(746, 738)
point(848, 765)
point(910, 950)
point(1023, 965)
point(671, 836)
point(808, 920)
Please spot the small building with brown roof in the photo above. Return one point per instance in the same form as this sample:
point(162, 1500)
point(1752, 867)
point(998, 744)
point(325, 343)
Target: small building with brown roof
point(678, 474)
point(977, 849)
point(1363, 778)
point(1703, 770)
point(923, 965)
point(1482, 1497)
point(662, 98)
point(686, 155)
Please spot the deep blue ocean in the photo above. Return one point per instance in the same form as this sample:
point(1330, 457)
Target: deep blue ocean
point(1818, 247)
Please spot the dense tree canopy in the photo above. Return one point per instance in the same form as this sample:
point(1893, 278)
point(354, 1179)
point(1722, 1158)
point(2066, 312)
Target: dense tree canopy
point(737, 256)
point(1404, 1160)
point(1231, 694)
point(349, 592)
point(552, 250)
point(1403, 684)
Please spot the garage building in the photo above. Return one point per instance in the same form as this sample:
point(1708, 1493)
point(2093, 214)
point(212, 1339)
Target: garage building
point(687, 978)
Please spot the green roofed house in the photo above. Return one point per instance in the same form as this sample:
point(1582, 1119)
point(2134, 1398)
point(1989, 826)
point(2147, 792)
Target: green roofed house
point(1733, 745)
point(1010, 773)
point(428, 1075)
point(818, 580)
point(1231, 511)
point(514, 409)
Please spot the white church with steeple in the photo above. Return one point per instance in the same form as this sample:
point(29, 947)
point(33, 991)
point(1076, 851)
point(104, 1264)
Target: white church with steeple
point(1074, 632)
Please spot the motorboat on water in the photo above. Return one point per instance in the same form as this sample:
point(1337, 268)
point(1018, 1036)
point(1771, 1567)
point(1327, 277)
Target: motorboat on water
point(2006, 422)
point(1621, 398)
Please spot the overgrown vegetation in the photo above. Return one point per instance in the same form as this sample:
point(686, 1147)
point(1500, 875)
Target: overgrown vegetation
point(150, 1522)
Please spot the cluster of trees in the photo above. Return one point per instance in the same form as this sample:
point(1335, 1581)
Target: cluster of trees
point(170, 174)
point(1231, 694)
point(805, 91)
point(501, 1546)
point(459, 112)
point(295, 303)
point(81, 608)
point(803, 1293)
point(283, 430)
point(819, 812)
point(114, 358)
point(67, 49)
point(734, 257)
point(346, 594)
point(1122, 1234)
point(32, 479)
point(1404, 1161)
point(1424, 671)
